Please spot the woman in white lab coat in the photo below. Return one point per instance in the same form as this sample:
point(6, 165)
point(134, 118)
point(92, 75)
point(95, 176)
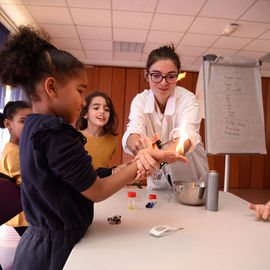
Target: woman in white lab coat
point(163, 109)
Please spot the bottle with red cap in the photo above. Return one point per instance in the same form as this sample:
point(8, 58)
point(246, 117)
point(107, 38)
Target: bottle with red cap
point(152, 202)
point(131, 200)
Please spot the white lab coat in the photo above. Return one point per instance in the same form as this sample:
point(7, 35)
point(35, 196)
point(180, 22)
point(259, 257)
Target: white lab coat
point(145, 118)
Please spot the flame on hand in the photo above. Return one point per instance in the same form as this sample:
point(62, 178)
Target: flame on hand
point(183, 137)
point(181, 76)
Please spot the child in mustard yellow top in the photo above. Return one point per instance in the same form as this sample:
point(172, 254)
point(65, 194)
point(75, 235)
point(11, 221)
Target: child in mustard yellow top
point(98, 122)
point(12, 118)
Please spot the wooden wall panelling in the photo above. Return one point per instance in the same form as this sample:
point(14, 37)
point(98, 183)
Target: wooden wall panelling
point(90, 77)
point(219, 166)
point(105, 80)
point(132, 89)
point(202, 131)
point(143, 82)
point(94, 83)
point(266, 179)
point(211, 162)
point(257, 171)
point(187, 82)
point(118, 99)
point(195, 76)
point(245, 171)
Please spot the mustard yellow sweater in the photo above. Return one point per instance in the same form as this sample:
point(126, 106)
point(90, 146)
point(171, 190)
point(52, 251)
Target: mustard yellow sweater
point(101, 149)
point(10, 165)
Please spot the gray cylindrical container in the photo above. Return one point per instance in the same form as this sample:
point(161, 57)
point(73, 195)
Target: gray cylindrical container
point(212, 186)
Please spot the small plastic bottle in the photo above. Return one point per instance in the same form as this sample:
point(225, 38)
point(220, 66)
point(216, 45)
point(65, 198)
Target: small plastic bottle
point(131, 200)
point(153, 201)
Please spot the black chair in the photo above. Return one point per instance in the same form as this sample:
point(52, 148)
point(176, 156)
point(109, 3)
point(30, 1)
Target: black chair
point(10, 198)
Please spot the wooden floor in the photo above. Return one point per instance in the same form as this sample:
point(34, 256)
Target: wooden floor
point(9, 237)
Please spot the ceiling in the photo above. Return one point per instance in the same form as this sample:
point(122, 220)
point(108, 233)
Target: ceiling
point(123, 32)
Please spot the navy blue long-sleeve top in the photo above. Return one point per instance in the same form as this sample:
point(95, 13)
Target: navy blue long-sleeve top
point(55, 168)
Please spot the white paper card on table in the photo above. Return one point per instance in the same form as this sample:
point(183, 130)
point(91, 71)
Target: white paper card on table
point(162, 230)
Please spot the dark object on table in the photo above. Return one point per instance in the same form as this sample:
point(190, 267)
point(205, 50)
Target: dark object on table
point(114, 220)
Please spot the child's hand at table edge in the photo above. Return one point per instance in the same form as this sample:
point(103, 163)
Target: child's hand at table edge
point(261, 210)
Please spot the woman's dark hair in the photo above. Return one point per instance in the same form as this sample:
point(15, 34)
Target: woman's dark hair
point(111, 126)
point(162, 53)
point(11, 109)
point(27, 57)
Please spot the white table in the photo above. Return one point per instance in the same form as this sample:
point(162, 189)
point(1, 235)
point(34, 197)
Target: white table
point(231, 238)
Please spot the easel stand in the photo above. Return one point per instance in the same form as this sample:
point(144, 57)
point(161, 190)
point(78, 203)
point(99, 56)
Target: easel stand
point(230, 85)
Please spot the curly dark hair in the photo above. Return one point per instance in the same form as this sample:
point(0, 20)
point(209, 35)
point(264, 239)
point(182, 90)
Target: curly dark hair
point(162, 53)
point(11, 109)
point(27, 57)
point(111, 126)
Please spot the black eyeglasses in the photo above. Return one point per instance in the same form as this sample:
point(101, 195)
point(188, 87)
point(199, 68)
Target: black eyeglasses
point(157, 77)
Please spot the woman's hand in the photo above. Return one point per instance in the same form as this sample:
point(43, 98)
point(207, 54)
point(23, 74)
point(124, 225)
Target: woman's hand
point(137, 142)
point(261, 210)
point(145, 163)
point(168, 156)
point(143, 142)
point(186, 146)
point(149, 160)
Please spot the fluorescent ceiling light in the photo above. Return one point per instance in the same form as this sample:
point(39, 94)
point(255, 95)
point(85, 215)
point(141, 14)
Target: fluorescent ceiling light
point(124, 46)
point(230, 29)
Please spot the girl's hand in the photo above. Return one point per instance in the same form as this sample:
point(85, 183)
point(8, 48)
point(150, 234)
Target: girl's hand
point(146, 163)
point(146, 166)
point(261, 210)
point(140, 176)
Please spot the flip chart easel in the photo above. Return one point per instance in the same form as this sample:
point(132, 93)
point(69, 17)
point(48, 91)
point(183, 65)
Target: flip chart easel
point(233, 106)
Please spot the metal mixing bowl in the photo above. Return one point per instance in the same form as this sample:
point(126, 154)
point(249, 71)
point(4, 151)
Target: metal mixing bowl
point(188, 194)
